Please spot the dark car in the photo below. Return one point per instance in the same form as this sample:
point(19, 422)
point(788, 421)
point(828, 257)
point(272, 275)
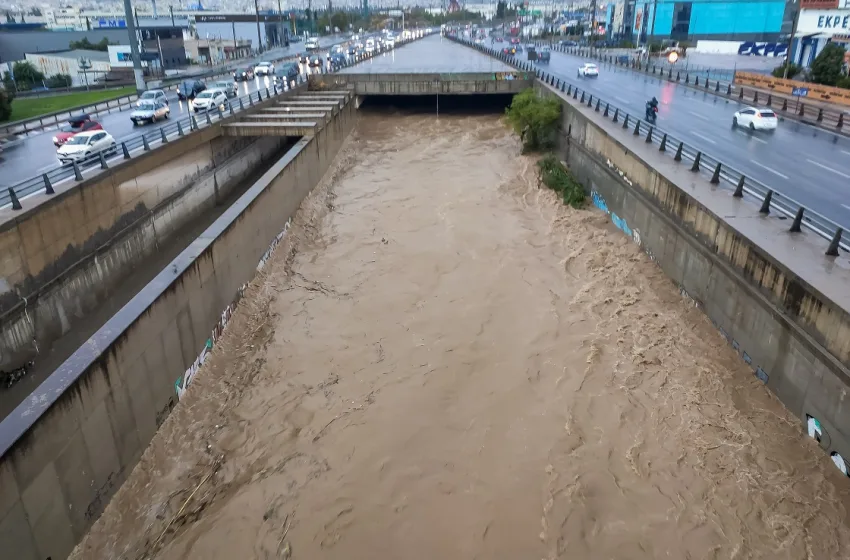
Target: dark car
point(337, 59)
point(243, 74)
point(75, 125)
point(509, 50)
point(303, 58)
point(316, 59)
point(352, 49)
point(189, 89)
point(286, 72)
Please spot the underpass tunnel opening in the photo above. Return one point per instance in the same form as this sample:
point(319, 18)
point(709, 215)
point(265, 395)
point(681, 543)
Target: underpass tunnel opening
point(431, 104)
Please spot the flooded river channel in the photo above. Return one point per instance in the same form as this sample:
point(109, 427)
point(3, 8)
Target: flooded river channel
point(442, 362)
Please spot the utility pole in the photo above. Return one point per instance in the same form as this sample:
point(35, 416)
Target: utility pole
point(280, 40)
point(235, 44)
point(134, 47)
point(171, 10)
point(789, 58)
point(259, 35)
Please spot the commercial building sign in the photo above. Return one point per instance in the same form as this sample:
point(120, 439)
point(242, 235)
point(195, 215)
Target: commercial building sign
point(827, 22)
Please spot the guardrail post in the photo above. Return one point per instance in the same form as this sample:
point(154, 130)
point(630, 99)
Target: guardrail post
point(563, 87)
point(48, 188)
point(590, 101)
point(575, 93)
point(145, 144)
point(678, 156)
point(179, 129)
point(209, 120)
point(715, 178)
point(717, 86)
point(125, 150)
point(649, 136)
point(268, 95)
point(695, 166)
point(250, 100)
point(729, 89)
point(696, 81)
point(637, 129)
point(103, 160)
point(802, 111)
point(626, 121)
point(77, 175)
point(605, 114)
point(784, 105)
point(570, 89)
point(162, 135)
point(798, 220)
point(597, 104)
point(241, 105)
point(832, 250)
point(739, 189)
point(16, 204)
point(663, 146)
point(820, 115)
point(670, 74)
point(616, 115)
point(840, 120)
point(765, 204)
point(230, 107)
point(741, 93)
point(769, 100)
point(220, 112)
point(755, 98)
point(678, 76)
point(582, 98)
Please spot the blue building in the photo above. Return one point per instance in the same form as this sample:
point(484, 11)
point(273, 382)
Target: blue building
point(724, 20)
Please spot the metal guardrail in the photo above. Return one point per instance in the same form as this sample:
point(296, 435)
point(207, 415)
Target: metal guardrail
point(144, 142)
point(768, 199)
point(809, 113)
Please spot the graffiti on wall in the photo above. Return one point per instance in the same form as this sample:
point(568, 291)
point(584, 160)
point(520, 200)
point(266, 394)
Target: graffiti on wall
point(752, 48)
point(184, 380)
point(819, 434)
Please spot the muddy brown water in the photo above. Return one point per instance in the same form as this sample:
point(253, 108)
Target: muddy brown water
point(441, 361)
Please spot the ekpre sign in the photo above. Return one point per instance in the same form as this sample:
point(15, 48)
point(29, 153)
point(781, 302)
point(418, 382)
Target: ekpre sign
point(824, 21)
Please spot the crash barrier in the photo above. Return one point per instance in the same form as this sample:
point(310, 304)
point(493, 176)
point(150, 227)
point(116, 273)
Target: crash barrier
point(139, 143)
point(788, 87)
point(787, 106)
point(768, 199)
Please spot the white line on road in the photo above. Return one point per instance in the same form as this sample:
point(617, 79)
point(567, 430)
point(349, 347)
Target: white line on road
point(845, 206)
point(775, 172)
point(831, 170)
point(845, 152)
point(698, 135)
point(697, 115)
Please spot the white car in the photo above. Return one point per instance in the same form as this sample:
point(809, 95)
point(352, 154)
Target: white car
point(755, 119)
point(152, 95)
point(588, 71)
point(149, 111)
point(84, 145)
point(370, 46)
point(389, 41)
point(264, 69)
point(226, 85)
point(210, 99)
point(311, 44)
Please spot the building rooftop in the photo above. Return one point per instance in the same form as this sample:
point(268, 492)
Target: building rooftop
point(99, 56)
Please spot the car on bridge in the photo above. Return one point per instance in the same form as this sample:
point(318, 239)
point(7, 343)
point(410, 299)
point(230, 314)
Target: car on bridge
point(315, 59)
point(370, 46)
point(188, 89)
point(243, 74)
point(75, 125)
point(312, 44)
point(228, 87)
point(286, 73)
point(588, 70)
point(209, 100)
point(264, 69)
point(755, 119)
point(509, 50)
point(85, 145)
point(149, 111)
point(153, 95)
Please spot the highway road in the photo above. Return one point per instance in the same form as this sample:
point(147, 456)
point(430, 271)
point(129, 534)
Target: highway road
point(36, 153)
point(805, 163)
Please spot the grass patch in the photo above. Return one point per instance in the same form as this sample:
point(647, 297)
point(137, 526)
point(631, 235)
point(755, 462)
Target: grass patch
point(557, 177)
point(29, 107)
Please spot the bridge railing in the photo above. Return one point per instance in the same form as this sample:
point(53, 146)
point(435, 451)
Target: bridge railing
point(768, 199)
point(138, 143)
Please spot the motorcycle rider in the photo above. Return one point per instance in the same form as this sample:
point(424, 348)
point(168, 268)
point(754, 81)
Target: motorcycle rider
point(651, 108)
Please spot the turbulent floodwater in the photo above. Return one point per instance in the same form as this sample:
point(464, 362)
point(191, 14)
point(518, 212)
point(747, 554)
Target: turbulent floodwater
point(445, 363)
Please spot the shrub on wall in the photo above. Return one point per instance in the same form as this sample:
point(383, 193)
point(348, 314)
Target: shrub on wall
point(557, 177)
point(535, 119)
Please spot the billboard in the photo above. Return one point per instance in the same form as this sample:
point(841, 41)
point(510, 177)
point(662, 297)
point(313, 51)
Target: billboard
point(828, 22)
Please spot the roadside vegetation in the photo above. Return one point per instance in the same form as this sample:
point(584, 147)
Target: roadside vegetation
point(535, 119)
point(557, 177)
point(29, 107)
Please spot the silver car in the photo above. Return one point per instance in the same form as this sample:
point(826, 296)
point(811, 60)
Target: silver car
point(227, 85)
point(153, 95)
point(149, 111)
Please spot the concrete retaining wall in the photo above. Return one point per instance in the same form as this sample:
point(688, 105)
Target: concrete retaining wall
point(73, 442)
point(468, 83)
point(794, 338)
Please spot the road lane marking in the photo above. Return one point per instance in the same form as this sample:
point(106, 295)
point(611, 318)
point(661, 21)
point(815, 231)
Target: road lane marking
point(621, 100)
point(698, 135)
point(845, 152)
point(775, 172)
point(697, 115)
point(845, 206)
point(831, 170)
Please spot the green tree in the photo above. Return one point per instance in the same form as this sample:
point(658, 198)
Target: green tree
point(501, 7)
point(5, 105)
point(85, 44)
point(340, 20)
point(58, 81)
point(535, 119)
point(793, 70)
point(826, 69)
point(26, 75)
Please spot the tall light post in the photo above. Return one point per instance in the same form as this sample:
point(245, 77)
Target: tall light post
point(134, 46)
point(259, 36)
point(789, 58)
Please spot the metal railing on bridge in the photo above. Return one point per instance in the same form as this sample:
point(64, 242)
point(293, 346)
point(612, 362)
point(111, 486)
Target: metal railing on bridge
point(768, 199)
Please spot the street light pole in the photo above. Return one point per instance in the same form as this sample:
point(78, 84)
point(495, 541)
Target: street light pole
point(259, 36)
point(790, 55)
point(134, 46)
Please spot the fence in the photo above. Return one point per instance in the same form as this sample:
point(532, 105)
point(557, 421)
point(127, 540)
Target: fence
point(768, 199)
point(140, 143)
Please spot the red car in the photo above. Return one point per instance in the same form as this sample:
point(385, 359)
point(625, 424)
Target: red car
point(515, 40)
point(76, 124)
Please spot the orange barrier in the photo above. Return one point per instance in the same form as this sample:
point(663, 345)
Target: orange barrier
point(816, 91)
